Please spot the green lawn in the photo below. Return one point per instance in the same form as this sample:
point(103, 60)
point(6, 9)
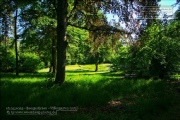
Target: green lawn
point(101, 95)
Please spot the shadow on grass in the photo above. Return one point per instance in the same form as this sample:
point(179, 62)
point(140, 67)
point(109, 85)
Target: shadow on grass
point(140, 99)
point(43, 74)
point(113, 74)
point(23, 75)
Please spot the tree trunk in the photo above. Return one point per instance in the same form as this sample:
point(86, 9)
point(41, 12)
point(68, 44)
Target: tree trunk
point(96, 67)
point(5, 28)
point(15, 39)
point(97, 61)
point(53, 59)
point(62, 6)
point(6, 39)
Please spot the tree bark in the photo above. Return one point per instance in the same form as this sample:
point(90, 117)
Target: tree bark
point(96, 62)
point(96, 67)
point(53, 59)
point(15, 39)
point(62, 6)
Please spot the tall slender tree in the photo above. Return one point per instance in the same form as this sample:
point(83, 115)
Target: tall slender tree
point(15, 40)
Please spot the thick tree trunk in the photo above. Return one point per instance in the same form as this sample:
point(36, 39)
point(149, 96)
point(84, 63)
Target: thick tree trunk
point(15, 39)
point(61, 40)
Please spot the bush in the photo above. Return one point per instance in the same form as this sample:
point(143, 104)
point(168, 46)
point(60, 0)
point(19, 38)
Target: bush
point(8, 61)
point(121, 61)
point(30, 62)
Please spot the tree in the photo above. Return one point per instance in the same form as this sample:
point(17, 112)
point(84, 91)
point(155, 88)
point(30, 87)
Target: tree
point(101, 42)
point(78, 11)
point(40, 31)
point(15, 40)
point(9, 10)
point(99, 39)
point(155, 54)
point(77, 45)
point(15, 8)
point(177, 13)
point(6, 21)
point(61, 11)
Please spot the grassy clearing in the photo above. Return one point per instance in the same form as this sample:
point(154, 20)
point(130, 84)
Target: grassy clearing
point(95, 95)
point(83, 68)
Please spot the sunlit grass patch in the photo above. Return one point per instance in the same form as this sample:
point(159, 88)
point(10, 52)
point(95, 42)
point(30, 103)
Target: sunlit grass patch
point(43, 70)
point(87, 68)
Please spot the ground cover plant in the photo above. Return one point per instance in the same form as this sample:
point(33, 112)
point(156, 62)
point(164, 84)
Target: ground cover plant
point(90, 95)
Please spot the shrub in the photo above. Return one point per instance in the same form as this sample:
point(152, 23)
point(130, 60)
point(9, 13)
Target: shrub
point(30, 62)
point(121, 61)
point(8, 61)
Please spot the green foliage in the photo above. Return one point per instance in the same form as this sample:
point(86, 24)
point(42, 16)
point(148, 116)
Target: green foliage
point(120, 61)
point(77, 46)
point(155, 54)
point(81, 51)
point(8, 60)
point(177, 15)
point(40, 32)
point(30, 62)
point(159, 52)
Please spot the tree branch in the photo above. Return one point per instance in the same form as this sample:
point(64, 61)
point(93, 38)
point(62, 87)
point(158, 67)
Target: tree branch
point(75, 4)
point(100, 28)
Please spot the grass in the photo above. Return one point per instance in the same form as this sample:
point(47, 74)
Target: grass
point(95, 95)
